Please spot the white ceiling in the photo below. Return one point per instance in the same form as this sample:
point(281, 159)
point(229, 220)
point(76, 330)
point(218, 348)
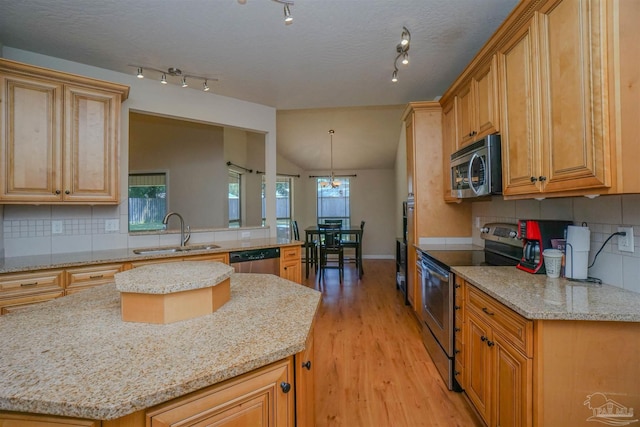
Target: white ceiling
point(336, 53)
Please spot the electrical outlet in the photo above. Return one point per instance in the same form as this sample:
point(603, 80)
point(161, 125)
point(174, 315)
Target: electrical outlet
point(111, 225)
point(625, 243)
point(56, 227)
point(245, 235)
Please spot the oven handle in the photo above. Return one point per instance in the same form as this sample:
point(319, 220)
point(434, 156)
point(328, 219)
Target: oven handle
point(434, 270)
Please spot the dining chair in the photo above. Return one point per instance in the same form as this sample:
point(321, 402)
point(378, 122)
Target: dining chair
point(331, 250)
point(310, 248)
point(357, 246)
point(333, 221)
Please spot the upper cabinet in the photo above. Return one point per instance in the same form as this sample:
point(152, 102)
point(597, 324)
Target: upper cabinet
point(554, 101)
point(558, 81)
point(449, 145)
point(477, 104)
point(59, 136)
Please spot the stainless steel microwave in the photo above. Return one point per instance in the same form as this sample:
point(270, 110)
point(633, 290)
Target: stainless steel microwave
point(476, 170)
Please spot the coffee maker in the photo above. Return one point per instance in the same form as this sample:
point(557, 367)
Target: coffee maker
point(536, 235)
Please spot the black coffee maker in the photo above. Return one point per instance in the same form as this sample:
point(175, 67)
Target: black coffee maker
point(536, 235)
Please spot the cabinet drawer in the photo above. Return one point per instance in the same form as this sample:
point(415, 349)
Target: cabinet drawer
point(514, 328)
point(17, 284)
point(221, 257)
point(292, 252)
point(12, 305)
point(92, 276)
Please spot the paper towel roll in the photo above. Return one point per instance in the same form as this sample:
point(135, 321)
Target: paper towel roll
point(577, 252)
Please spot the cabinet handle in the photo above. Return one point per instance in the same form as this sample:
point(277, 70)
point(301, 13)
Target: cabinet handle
point(457, 307)
point(457, 351)
point(483, 338)
point(484, 309)
point(97, 276)
point(307, 365)
point(458, 286)
point(456, 373)
point(542, 178)
point(286, 387)
point(28, 284)
point(67, 192)
point(458, 329)
point(57, 191)
point(472, 133)
point(534, 179)
point(490, 343)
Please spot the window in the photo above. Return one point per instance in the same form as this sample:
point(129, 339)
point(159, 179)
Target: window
point(147, 201)
point(234, 199)
point(333, 203)
point(283, 206)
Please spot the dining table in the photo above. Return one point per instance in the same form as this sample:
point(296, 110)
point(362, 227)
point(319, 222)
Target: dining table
point(353, 233)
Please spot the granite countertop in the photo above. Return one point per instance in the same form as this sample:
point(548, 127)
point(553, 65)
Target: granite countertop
point(535, 296)
point(79, 259)
point(74, 356)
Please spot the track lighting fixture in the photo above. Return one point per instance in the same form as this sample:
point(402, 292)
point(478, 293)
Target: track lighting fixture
point(403, 51)
point(175, 72)
point(288, 19)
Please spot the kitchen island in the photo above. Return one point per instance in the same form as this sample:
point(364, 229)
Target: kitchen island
point(536, 351)
point(75, 357)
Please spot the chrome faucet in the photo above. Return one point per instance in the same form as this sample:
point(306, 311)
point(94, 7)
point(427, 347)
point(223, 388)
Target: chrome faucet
point(183, 239)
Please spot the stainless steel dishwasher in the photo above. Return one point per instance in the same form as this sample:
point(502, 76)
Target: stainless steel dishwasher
point(265, 261)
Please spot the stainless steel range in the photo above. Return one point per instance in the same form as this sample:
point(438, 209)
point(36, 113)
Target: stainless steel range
point(501, 247)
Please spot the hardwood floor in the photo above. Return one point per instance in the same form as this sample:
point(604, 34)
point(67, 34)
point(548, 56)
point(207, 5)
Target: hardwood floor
point(372, 368)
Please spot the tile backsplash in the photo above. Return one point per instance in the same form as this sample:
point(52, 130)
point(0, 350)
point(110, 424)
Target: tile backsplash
point(603, 215)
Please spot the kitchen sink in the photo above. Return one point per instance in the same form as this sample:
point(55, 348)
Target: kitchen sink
point(173, 249)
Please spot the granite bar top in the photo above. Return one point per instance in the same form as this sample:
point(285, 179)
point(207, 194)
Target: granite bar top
point(75, 357)
point(79, 259)
point(535, 296)
point(171, 277)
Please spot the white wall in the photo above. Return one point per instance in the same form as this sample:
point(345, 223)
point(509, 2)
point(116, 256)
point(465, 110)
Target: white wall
point(603, 215)
point(27, 229)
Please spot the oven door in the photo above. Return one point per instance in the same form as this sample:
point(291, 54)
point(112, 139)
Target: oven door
point(437, 303)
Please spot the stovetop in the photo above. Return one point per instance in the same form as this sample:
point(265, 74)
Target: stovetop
point(502, 247)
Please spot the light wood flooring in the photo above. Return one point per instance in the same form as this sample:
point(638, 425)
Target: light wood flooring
point(372, 369)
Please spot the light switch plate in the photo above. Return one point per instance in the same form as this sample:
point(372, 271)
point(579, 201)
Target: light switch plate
point(111, 225)
point(56, 227)
point(625, 243)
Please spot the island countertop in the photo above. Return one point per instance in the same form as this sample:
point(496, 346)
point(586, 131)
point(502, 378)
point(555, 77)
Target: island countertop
point(74, 356)
point(79, 259)
point(537, 297)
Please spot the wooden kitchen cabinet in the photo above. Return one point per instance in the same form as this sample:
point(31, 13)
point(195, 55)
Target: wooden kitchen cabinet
point(82, 278)
point(12, 419)
point(291, 263)
point(554, 101)
point(477, 104)
point(459, 330)
point(305, 384)
point(21, 290)
point(449, 146)
point(498, 361)
point(264, 397)
point(60, 137)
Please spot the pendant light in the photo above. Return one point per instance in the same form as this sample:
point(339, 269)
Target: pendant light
point(333, 182)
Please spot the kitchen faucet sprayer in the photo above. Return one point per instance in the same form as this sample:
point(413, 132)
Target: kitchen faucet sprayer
point(183, 239)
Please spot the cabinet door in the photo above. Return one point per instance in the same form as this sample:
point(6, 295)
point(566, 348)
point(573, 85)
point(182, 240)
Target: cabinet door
point(305, 384)
point(512, 385)
point(12, 419)
point(291, 270)
point(410, 145)
point(575, 126)
point(449, 145)
point(486, 101)
point(12, 305)
point(411, 257)
point(466, 111)
point(478, 366)
point(255, 399)
point(91, 145)
point(520, 150)
point(31, 138)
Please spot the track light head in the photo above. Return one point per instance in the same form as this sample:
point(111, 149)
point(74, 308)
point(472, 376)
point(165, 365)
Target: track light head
point(287, 15)
point(140, 75)
point(205, 86)
point(406, 37)
point(394, 76)
point(405, 58)
point(163, 79)
point(184, 82)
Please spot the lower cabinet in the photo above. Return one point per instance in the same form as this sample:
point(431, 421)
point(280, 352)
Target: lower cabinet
point(498, 365)
point(20, 290)
point(10, 419)
point(263, 397)
point(79, 279)
point(305, 385)
point(291, 263)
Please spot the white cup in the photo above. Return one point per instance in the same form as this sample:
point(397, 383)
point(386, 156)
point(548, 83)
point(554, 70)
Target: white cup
point(552, 262)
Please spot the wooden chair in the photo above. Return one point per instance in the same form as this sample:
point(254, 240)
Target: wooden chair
point(331, 250)
point(357, 246)
point(310, 248)
point(333, 221)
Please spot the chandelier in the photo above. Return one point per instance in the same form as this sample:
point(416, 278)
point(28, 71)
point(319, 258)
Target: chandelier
point(333, 182)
